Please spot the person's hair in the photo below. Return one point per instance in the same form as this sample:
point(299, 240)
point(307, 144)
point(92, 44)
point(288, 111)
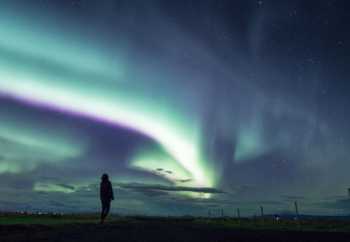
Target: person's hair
point(104, 177)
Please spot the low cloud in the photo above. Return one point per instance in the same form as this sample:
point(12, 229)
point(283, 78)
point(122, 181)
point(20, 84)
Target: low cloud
point(184, 180)
point(142, 187)
point(52, 187)
point(66, 186)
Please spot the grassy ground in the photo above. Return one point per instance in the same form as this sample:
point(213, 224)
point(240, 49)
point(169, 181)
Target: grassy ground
point(86, 228)
point(52, 220)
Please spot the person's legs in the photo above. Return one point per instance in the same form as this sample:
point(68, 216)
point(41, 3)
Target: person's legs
point(106, 205)
point(103, 203)
point(107, 208)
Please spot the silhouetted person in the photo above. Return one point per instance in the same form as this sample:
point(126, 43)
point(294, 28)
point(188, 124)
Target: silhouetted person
point(106, 196)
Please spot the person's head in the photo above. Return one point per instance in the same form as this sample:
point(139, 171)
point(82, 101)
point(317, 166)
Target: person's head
point(104, 177)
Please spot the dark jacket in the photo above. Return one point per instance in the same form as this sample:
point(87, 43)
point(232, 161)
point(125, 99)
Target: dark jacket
point(106, 191)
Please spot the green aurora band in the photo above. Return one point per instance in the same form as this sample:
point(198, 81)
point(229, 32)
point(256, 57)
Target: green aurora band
point(40, 70)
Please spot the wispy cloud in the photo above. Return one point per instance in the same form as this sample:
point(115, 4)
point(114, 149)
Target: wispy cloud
point(156, 187)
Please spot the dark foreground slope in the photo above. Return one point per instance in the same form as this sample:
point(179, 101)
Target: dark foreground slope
point(159, 230)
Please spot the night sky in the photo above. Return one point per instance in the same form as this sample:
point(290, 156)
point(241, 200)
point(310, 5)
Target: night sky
point(187, 105)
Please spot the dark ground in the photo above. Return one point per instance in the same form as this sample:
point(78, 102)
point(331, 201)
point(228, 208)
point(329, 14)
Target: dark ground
point(144, 230)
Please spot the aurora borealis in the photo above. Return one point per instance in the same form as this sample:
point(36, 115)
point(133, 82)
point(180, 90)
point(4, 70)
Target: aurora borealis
point(186, 105)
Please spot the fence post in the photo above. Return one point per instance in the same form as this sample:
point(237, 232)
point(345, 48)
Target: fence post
point(296, 209)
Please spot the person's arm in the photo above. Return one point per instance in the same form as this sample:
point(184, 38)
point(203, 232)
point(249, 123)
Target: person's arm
point(111, 191)
point(101, 191)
